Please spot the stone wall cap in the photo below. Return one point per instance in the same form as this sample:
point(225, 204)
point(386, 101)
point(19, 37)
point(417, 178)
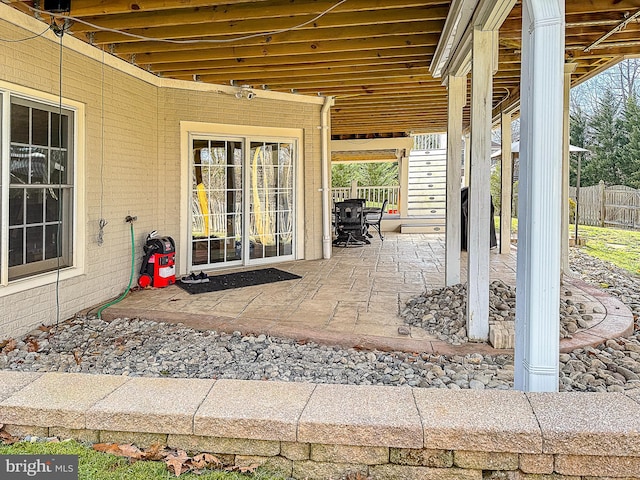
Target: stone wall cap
point(578, 423)
point(487, 420)
point(361, 415)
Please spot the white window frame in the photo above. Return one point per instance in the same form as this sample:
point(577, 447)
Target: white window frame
point(7, 91)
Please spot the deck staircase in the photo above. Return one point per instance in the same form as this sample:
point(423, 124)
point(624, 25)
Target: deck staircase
point(426, 194)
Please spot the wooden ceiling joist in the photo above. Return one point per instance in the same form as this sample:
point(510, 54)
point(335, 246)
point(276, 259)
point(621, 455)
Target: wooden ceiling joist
point(372, 55)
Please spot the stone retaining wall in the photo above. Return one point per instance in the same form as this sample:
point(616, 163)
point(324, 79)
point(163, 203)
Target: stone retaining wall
point(328, 431)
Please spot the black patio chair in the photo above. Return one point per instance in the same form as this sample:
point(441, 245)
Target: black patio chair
point(350, 224)
point(374, 219)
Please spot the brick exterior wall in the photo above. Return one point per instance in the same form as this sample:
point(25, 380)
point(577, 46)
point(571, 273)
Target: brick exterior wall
point(132, 160)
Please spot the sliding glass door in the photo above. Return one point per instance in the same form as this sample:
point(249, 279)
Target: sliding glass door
point(242, 198)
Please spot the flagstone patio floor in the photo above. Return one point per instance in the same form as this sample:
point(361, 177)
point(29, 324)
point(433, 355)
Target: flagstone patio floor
point(354, 299)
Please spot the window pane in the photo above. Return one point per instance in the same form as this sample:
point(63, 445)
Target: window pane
point(59, 167)
point(35, 204)
point(16, 206)
point(15, 247)
point(216, 250)
point(234, 249)
point(199, 253)
point(56, 134)
point(52, 204)
point(38, 166)
point(51, 242)
point(284, 245)
point(19, 165)
point(39, 127)
point(35, 249)
point(19, 124)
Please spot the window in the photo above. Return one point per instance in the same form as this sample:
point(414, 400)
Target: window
point(38, 187)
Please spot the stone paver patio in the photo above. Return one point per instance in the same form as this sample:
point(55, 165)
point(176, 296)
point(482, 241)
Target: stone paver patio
point(352, 299)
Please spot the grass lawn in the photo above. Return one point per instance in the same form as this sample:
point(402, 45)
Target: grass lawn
point(618, 246)
point(102, 466)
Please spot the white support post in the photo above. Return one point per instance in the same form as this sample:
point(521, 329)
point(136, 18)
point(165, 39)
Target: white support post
point(354, 189)
point(479, 211)
point(467, 159)
point(456, 98)
point(539, 206)
point(506, 184)
point(404, 185)
point(569, 68)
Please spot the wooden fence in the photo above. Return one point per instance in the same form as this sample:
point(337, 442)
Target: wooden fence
point(614, 206)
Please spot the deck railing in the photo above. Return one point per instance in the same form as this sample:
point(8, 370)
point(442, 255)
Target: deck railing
point(373, 195)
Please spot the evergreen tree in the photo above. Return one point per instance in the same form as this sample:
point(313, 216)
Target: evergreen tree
point(606, 141)
point(630, 154)
point(343, 173)
point(379, 174)
point(578, 131)
point(370, 174)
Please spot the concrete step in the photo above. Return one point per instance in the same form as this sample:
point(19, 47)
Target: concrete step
point(422, 228)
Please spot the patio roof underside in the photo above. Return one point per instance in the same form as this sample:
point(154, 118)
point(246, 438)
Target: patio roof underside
point(373, 56)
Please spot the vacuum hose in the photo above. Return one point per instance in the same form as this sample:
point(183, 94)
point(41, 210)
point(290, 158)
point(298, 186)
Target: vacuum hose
point(133, 262)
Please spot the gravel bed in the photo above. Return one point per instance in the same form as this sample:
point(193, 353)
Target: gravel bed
point(144, 348)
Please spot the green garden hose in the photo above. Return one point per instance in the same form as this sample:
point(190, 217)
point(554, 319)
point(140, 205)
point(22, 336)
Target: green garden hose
point(133, 262)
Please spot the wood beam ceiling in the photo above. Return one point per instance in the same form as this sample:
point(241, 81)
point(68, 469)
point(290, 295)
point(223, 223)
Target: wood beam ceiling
point(373, 55)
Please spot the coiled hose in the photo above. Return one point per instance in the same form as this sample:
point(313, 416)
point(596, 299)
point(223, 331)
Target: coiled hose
point(133, 262)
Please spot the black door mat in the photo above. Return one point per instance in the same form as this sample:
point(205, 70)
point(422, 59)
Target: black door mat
point(238, 280)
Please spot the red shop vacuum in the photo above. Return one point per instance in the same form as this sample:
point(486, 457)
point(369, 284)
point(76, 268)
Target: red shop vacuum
point(159, 263)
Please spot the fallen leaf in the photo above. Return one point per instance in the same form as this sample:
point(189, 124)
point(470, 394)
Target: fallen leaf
point(248, 469)
point(5, 437)
point(178, 461)
point(243, 469)
point(77, 357)
point(130, 451)
point(111, 448)
point(9, 346)
point(44, 328)
point(205, 460)
point(33, 345)
point(155, 452)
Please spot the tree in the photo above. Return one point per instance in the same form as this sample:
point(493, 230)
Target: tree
point(630, 152)
point(495, 186)
point(578, 131)
point(343, 173)
point(606, 129)
point(379, 174)
point(368, 174)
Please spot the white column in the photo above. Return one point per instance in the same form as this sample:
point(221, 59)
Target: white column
point(479, 196)
point(569, 68)
point(467, 159)
point(539, 207)
point(456, 98)
point(506, 186)
point(354, 188)
point(404, 186)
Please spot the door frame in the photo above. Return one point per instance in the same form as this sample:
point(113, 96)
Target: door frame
point(188, 130)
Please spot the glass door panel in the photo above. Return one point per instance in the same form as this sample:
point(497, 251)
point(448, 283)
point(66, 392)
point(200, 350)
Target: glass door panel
point(216, 202)
point(270, 200)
